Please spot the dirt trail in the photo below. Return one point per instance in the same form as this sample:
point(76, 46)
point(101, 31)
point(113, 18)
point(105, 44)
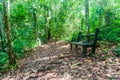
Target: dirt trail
point(56, 62)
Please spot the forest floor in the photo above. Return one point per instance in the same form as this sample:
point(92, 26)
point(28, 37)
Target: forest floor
point(56, 62)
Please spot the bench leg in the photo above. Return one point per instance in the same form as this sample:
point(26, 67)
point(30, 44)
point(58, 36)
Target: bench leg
point(70, 46)
point(85, 51)
point(93, 49)
point(76, 46)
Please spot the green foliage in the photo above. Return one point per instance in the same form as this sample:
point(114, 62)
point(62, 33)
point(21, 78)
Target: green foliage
point(62, 20)
point(110, 33)
point(18, 11)
point(4, 62)
point(76, 64)
point(117, 51)
point(22, 28)
point(0, 6)
point(74, 36)
point(24, 40)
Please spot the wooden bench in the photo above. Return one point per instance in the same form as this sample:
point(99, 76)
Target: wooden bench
point(87, 43)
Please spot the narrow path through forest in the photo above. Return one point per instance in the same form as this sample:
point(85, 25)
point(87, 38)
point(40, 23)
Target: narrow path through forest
point(56, 62)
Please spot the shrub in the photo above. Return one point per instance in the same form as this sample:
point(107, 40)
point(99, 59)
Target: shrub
point(4, 62)
point(117, 51)
point(110, 33)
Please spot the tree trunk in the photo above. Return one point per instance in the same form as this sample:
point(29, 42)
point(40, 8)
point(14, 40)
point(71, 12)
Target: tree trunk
point(49, 34)
point(46, 24)
point(100, 17)
point(107, 18)
point(87, 16)
point(35, 27)
point(1, 40)
point(1, 33)
point(12, 58)
point(82, 22)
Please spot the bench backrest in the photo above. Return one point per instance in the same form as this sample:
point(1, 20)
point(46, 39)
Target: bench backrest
point(76, 37)
point(96, 36)
point(79, 36)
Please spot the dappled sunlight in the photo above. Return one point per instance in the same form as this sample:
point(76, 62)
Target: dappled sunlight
point(64, 46)
point(56, 76)
point(46, 58)
point(60, 42)
point(45, 46)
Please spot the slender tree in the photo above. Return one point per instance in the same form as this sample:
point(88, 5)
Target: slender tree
point(1, 37)
point(1, 33)
point(6, 8)
point(87, 16)
point(49, 27)
point(100, 14)
point(46, 26)
point(34, 22)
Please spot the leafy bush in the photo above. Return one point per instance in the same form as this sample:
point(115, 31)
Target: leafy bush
point(22, 28)
point(18, 12)
point(23, 42)
point(111, 34)
point(4, 62)
point(117, 51)
point(0, 6)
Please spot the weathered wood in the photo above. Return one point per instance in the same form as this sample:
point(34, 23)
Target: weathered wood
point(86, 44)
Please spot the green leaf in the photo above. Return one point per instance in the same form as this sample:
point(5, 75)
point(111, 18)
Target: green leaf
point(3, 60)
point(4, 67)
point(0, 6)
